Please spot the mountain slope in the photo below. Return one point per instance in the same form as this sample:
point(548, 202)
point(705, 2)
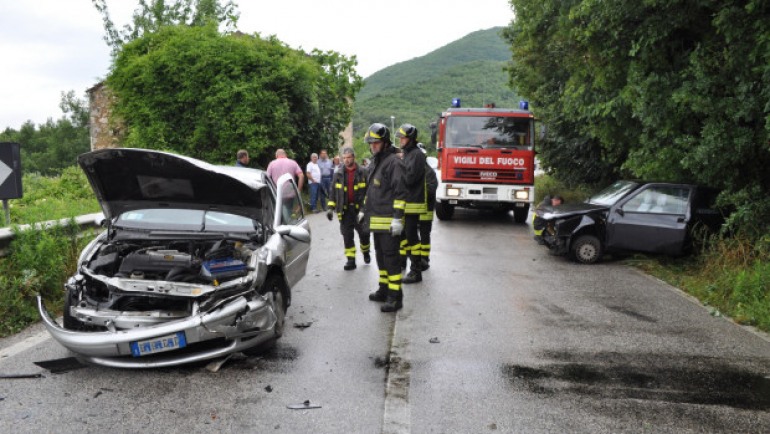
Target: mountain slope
point(414, 91)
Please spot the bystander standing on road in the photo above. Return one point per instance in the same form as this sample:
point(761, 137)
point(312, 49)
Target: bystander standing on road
point(336, 164)
point(283, 164)
point(327, 170)
point(347, 200)
point(242, 158)
point(384, 213)
point(313, 180)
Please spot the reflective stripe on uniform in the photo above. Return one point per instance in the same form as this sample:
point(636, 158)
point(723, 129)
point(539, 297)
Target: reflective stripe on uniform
point(380, 223)
point(394, 282)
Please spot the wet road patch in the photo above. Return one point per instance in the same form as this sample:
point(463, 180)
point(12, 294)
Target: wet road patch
point(675, 379)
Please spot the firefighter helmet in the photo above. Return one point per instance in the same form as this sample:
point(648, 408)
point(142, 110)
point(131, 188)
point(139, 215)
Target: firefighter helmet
point(407, 130)
point(377, 132)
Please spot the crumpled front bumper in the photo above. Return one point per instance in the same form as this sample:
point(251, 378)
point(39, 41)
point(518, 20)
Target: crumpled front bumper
point(242, 323)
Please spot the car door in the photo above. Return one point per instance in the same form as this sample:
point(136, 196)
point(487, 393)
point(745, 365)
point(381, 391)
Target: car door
point(652, 219)
point(289, 214)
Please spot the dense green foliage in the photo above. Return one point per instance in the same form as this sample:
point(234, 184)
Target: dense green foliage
point(53, 198)
point(671, 89)
point(151, 15)
point(39, 262)
point(194, 91)
point(416, 91)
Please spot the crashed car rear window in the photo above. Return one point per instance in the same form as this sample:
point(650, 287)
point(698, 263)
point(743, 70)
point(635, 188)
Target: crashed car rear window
point(183, 219)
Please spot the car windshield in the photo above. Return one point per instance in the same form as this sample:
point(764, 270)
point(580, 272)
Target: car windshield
point(489, 132)
point(613, 193)
point(184, 220)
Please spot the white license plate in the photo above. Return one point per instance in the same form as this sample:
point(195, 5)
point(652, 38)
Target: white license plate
point(158, 345)
point(489, 197)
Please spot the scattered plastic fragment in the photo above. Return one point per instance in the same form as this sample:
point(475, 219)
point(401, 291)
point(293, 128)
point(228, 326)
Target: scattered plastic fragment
point(434, 340)
point(268, 388)
point(216, 365)
point(59, 366)
point(302, 325)
point(15, 376)
point(304, 405)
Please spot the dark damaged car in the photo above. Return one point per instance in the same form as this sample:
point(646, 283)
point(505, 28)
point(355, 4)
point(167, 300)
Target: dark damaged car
point(629, 216)
point(197, 261)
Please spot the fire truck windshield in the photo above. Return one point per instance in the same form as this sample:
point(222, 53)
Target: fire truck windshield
point(489, 132)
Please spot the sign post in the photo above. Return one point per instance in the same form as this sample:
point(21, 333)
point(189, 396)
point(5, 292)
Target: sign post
point(10, 176)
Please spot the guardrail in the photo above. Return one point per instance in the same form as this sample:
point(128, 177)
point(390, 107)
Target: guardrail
point(83, 221)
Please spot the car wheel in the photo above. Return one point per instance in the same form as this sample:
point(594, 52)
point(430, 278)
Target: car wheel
point(444, 211)
point(587, 249)
point(70, 323)
point(277, 287)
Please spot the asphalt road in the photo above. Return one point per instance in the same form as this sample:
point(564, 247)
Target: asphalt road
point(499, 337)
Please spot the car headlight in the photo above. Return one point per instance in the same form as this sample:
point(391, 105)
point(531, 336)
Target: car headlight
point(521, 194)
point(453, 192)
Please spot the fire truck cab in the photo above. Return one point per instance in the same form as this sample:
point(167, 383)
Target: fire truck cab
point(486, 160)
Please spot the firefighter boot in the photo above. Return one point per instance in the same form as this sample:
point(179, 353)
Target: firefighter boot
point(394, 302)
point(367, 258)
point(350, 265)
point(425, 264)
point(412, 277)
point(381, 294)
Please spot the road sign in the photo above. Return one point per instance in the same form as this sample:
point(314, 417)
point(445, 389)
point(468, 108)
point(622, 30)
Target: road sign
point(10, 171)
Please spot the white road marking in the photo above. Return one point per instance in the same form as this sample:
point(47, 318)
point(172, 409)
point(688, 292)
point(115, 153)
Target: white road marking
point(24, 345)
point(397, 415)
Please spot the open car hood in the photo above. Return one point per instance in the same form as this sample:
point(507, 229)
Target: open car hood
point(568, 210)
point(128, 179)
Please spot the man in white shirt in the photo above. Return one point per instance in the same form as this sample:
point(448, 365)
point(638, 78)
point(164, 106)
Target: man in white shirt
point(313, 180)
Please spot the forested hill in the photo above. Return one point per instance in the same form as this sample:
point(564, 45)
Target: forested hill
point(414, 91)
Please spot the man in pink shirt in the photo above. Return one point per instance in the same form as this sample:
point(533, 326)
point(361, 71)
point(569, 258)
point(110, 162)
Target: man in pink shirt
point(283, 164)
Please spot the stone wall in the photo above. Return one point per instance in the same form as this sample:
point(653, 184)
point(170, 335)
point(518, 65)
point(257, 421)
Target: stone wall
point(105, 131)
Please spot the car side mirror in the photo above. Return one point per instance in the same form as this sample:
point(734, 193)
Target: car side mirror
point(620, 211)
point(296, 232)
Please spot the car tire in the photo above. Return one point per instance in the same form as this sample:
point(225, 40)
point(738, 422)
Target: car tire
point(69, 321)
point(276, 285)
point(587, 249)
point(444, 211)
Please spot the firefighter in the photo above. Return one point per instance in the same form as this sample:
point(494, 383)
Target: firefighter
point(416, 200)
point(383, 214)
point(426, 219)
point(347, 199)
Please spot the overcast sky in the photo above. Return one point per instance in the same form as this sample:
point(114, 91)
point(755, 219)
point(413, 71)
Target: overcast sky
point(52, 46)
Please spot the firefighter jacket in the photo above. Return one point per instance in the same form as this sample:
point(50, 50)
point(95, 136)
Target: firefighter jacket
point(431, 185)
point(414, 179)
point(338, 198)
point(385, 192)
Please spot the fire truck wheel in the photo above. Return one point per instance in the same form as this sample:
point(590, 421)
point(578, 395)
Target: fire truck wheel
point(587, 249)
point(444, 211)
point(520, 214)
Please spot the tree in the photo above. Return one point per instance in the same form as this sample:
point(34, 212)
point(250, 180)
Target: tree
point(195, 91)
point(671, 90)
point(152, 15)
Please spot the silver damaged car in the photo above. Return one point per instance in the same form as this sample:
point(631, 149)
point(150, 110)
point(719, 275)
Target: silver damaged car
point(196, 262)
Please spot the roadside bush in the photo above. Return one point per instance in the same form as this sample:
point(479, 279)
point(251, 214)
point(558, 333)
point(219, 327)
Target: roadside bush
point(51, 198)
point(39, 261)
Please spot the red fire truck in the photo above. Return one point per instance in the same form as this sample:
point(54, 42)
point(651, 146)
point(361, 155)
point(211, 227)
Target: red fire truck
point(486, 160)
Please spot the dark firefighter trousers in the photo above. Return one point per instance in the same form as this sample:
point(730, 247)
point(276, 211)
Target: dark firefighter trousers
point(388, 262)
point(348, 224)
point(410, 243)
